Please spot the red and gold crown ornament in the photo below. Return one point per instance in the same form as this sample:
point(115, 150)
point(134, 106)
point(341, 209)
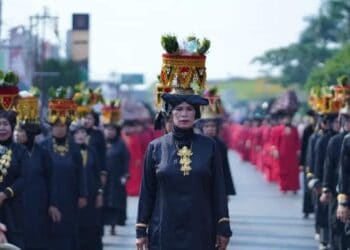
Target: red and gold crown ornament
point(61, 106)
point(182, 67)
point(85, 98)
point(8, 90)
point(111, 113)
point(215, 109)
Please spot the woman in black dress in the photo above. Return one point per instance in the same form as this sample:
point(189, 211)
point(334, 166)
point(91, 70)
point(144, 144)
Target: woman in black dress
point(117, 163)
point(67, 184)
point(90, 221)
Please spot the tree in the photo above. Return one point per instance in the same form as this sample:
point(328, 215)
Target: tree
point(324, 35)
point(335, 67)
point(68, 74)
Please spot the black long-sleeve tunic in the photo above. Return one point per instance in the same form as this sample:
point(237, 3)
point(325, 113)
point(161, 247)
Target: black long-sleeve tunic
point(117, 159)
point(11, 212)
point(344, 168)
point(331, 165)
point(67, 184)
point(35, 197)
point(97, 142)
point(311, 156)
point(229, 186)
point(182, 212)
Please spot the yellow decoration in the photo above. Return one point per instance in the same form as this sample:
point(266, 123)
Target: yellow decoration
point(5, 162)
point(28, 109)
point(62, 110)
point(60, 149)
point(185, 159)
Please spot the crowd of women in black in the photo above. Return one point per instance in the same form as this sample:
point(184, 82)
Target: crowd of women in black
point(325, 160)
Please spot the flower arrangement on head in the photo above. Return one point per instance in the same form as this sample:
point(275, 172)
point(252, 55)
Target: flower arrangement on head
point(62, 108)
point(111, 113)
point(8, 89)
point(27, 108)
point(85, 98)
point(182, 66)
point(183, 75)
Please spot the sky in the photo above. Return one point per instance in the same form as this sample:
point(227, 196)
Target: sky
point(125, 35)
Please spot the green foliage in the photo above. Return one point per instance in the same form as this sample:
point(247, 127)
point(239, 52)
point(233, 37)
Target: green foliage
point(68, 74)
point(169, 43)
point(61, 92)
point(337, 66)
point(324, 34)
point(203, 46)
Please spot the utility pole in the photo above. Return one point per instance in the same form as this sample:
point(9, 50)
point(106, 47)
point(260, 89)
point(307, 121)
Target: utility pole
point(0, 19)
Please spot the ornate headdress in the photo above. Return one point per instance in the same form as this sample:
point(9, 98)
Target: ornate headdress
point(214, 110)
point(111, 113)
point(85, 98)
point(183, 71)
point(27, 107)
point(8, 90)
point(61, 106)
point(342, 94)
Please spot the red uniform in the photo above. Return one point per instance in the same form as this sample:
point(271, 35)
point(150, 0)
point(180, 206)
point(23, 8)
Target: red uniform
point(287, 144)
point(135, 164)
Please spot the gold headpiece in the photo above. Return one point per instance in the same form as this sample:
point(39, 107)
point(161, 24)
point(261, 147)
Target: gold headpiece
point(8, 90)
point(61, 107)
point(111, 113)
point(27, 108)
point(182, 68)
point(85, 98)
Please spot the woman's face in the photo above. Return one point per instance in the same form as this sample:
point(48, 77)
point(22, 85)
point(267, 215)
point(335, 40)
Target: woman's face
point(110, 132)
point(20, 136)
point(59, 130)
point(80, 136)
point(89, 121)
point(184, 115)
point(5, 129)
point(209, 128)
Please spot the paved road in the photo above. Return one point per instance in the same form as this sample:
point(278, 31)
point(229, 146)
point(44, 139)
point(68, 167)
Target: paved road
point(262, 217)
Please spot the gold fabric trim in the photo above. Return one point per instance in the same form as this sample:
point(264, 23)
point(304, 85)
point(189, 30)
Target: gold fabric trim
point(141, 225)
point(342, 198)
point(11, 191)
point(224, 220)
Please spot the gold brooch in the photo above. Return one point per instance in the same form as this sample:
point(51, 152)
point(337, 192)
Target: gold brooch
point(5, 162)
point(60, 149)
point(185, 154)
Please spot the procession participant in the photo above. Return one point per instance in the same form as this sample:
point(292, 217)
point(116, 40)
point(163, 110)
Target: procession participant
point(131, 136)
point(209, 124)
point(11, 163)
point(35, 172)
point(182, 202)
point(117, 166)
point(89, 217)
point(65, 167)
point(329, 124)
point(286, 143)
point(86, 98)
point(307, 194)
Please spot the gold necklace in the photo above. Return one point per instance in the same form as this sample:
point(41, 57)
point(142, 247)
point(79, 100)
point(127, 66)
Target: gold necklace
point(185, 154)
point(60, 149)
point(5, 162)
point(84, 156)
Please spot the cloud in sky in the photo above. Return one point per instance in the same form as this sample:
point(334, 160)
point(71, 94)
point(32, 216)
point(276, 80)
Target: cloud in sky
point(125, 35)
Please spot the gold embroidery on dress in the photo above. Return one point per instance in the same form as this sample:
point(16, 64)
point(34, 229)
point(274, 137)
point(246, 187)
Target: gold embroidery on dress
point(60, 149)
point(185, 154)
point(5, 161)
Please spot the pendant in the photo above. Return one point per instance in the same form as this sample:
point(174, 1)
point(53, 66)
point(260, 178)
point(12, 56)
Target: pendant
point(185, 153)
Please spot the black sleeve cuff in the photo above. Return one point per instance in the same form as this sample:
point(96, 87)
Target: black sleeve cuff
point(224, 229)
point(141, 232)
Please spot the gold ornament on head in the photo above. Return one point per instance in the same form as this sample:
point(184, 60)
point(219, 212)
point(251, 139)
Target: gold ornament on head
point(182, 67)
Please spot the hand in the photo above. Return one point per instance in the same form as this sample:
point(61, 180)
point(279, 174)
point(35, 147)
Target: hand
point(342, 213)
point(222, 242)
point(55, 214)
point(2, 233)
point(142, 243)
point(325, 197)
point(103, 179)
point(82, 202)
point(99, 201)
point(123, 180)
point(3, 197)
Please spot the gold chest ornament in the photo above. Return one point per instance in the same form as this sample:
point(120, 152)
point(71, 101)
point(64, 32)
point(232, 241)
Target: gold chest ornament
point(5, 162)
point(185, 154)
